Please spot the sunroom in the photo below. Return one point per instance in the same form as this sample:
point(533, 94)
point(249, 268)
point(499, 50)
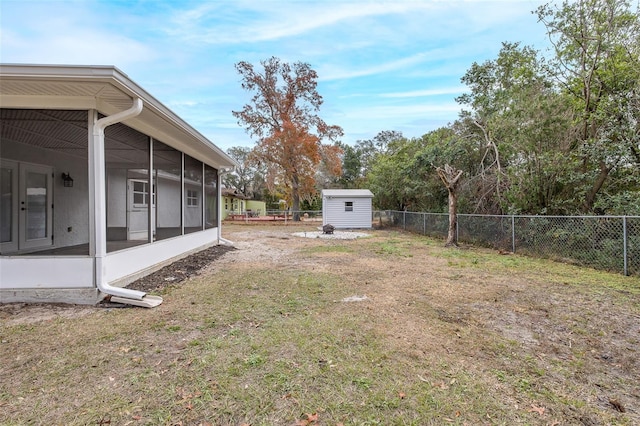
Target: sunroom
point(100, 184)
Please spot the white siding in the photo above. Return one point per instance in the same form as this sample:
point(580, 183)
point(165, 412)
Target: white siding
point(333, 212)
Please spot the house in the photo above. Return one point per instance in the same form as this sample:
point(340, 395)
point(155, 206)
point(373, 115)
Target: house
point(347, 208)
point(236, 203)
point(100, 184)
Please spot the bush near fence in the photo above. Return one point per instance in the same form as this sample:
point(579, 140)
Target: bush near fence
point(609, 243)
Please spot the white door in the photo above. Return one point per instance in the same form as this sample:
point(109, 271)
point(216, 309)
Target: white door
point(35, 221)
point(26, 209)
point(138, 209)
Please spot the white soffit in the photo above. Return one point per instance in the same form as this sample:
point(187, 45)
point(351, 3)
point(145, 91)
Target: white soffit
point(108, 90)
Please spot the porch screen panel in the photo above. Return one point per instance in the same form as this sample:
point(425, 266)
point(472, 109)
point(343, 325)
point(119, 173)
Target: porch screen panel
point(210, 197)
point(167, 164)
point(38, 146)
point(130, 194)
point(193, 195)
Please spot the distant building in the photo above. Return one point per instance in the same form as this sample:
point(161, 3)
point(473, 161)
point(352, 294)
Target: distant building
point(235, 202)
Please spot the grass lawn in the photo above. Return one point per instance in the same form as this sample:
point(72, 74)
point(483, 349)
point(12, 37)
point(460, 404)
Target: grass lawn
point(263, 337)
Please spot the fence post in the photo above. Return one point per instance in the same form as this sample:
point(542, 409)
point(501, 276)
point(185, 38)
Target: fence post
point(513, 234)
point(404, 219)
point(424, 223)
point(624, 244)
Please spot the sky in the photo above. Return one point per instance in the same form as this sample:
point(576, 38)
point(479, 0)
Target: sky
point(393, 65)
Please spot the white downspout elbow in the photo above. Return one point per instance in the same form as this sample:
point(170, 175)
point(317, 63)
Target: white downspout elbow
point(101, 223)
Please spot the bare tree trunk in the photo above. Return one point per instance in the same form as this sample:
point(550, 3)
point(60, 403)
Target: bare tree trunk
point(295, 195)
point(451, 177)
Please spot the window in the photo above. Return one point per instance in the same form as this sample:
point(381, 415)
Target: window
point(192, 198)
point(348, 206)
point(140, 193)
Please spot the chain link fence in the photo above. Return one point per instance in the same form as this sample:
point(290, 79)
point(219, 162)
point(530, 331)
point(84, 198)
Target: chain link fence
point(609, 243)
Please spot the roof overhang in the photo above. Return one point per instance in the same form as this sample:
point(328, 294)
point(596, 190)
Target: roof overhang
point(109, 91)
point(347, 193)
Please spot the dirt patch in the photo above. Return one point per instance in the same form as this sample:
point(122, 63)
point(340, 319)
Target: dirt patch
point(180, 270)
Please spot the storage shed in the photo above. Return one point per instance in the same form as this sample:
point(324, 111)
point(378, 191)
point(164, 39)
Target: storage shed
point(347, 208)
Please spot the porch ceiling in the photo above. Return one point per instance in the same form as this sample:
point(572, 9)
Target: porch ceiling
point(105, 88)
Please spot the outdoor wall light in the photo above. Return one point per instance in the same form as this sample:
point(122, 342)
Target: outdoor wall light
point(66, 180)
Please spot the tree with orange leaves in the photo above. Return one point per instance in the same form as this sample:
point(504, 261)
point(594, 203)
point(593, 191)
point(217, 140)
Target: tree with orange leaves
point(283, 116)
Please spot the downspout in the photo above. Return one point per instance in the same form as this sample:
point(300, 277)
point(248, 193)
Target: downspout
point(101, 224)
point(220, 239)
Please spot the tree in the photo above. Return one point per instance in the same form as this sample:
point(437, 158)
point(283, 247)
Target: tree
point(249, 178)
point(451, 178)
point(597, 62)
point(520, 123)
point(283, 115)
point(351, 167)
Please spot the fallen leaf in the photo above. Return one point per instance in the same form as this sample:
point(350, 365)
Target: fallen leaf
point(616, 404)
point(136, 417)
point(534, 409)
point(307, 419)
point(401, 395)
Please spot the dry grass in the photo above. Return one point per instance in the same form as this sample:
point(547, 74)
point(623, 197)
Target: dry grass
point(445, 336)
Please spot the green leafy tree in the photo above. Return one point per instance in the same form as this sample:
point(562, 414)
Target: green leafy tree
point(519, 124)
point(249, 177)
point(597, 62)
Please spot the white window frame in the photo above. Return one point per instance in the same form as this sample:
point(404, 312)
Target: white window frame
point(192, 198)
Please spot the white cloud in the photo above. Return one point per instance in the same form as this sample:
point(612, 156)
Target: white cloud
point(268, 21)
point(426, 92)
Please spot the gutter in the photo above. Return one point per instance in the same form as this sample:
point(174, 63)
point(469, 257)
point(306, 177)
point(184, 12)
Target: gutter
point(118, 294)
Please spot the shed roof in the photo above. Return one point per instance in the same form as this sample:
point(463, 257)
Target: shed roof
point(346, 193)
point(108, 90)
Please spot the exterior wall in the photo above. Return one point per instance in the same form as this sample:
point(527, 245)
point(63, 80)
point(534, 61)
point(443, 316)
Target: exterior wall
point(79, 296)
point(333, 212)
point(257, 206)
point(169, 213)
point(39, 272)
point(117, 198)
point(125, 266)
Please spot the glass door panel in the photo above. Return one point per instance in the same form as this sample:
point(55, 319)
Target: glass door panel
point(36, 213)
point(35, 206)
